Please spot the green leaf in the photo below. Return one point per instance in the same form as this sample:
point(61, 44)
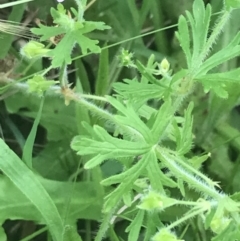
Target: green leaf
point(184, 38)
point(200, 27)
point(230, 51)
point(127, 199)
point(24, 179)
point(232, 232)
point(152, 222)
point(39, 84)
point(6, 5)
point(47, 32)
point(3, 236)
point(131, 119)
point(106, 147)
point(224, 77)
point(232, 4)
point(218, 82)
point(148, 75)
point(63, 19)
point(197, 161)
point(86, 43)
point(34, 49)
point(166, 235)
point(7, 39)
point(62, 52)
point(162, 120)
point(86, 203)
point(135, 226)
point(115, 179)
point(157, 177)
point(59, 120)
point(199, 22)
point(156, 201)
point(217, 87)
point(209, 217)
point(74, 33)
point(135, 91)
point(28, 147)
point(184, 144)
point(70, 234)
point(127, 183)
point(102, 82)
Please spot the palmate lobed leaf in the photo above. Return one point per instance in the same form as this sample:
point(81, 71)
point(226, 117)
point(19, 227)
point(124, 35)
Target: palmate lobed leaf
point(184, 38)
point(218, 82)
point(200, 27)
point(130, 118)
point(184, 143)
point(62, 52)
point(135, 91)
point(231, 51)
point(161, 120)
point(74, 32)
point(106, 147)
point(199, 22)
point(47, 32)
point(135, 226)
point(126, 185)
point(157, 178)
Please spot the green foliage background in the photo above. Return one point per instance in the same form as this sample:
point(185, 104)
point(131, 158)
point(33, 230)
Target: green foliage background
point(44, 181)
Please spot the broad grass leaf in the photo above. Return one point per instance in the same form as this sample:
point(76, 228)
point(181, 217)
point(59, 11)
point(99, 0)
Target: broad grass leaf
point(102, 82)
point(25, 180)
point(84, 199)
point(6, 5)
point(3, 236)
point(28, 147)
point(7, 39)
point(59, 120)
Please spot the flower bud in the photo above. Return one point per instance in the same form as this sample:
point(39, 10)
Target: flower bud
point(34, 49)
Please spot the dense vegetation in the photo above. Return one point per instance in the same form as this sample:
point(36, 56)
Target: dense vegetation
point(120, 120)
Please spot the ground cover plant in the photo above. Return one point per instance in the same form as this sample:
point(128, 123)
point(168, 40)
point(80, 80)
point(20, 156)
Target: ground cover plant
point(120, 121)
